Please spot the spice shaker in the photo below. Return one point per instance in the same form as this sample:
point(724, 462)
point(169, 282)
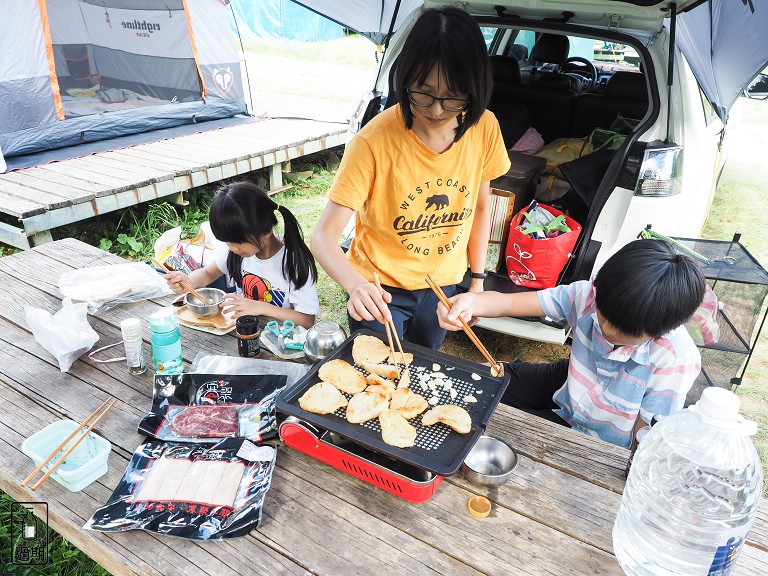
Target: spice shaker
point(247, 328)
point(134, 347)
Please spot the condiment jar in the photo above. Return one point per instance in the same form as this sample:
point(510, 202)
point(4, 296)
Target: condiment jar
point(247, 328)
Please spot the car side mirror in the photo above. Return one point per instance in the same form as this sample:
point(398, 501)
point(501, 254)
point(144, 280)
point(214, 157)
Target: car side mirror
point(758, 89)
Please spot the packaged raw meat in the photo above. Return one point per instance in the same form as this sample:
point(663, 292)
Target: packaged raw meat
point(205, 421)
point(207, 407)
point(194, 491)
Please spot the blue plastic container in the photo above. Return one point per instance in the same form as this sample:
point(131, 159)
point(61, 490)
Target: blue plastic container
point(87, 463)
point(166, 341)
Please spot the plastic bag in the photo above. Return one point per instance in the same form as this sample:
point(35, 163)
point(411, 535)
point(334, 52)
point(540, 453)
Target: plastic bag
point(66, 334)
point(205, 363)
point(537, 262)
point(103, 287)
point(186, 254)
point(190, 490)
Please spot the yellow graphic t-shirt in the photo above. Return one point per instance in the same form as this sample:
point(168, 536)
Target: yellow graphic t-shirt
point(415, 208)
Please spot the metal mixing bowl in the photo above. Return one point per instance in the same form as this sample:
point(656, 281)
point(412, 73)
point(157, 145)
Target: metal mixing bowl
point(213, 295)
point(490, 462)
point(322, 339)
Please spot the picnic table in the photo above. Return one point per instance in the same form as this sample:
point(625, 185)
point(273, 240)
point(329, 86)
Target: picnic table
point(554, 516)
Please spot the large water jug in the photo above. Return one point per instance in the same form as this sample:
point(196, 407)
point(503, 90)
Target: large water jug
point(692, 492)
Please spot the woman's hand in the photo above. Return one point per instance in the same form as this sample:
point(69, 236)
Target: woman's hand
point(367, 303)
point(462, 306)
point(237, 306)
point(174, 280)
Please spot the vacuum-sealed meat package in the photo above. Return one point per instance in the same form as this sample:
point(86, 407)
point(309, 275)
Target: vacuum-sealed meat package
point(194, 491)
point(208, 407)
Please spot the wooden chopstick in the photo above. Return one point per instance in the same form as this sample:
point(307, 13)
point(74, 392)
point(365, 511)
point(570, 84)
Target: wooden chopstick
point(184, 285)
point(390, 326)
point(87, 431)
point(64, 443)
point(495, 366)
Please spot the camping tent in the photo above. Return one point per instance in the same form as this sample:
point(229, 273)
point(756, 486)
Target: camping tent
point(76, 71)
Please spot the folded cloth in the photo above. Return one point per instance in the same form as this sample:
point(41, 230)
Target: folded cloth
point(530, 142)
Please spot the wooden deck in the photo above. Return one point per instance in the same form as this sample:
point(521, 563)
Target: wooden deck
point(60, 193)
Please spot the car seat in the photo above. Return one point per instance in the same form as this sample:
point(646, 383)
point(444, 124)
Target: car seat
point(626, 93)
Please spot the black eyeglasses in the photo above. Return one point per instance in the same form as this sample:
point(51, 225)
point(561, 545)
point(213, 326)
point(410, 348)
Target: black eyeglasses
point(426, 100)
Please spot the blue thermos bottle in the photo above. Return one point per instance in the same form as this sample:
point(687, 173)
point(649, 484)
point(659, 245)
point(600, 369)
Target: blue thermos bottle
point(166, 341)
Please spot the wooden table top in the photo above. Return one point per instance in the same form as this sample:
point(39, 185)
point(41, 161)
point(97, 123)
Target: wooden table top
point(554, 516)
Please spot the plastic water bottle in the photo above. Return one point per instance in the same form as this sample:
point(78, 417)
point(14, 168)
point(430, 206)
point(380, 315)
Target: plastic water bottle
point(166, 341)
point(692, 492)
point(134, 347)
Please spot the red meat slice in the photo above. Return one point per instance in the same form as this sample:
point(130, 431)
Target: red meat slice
point(206, 421)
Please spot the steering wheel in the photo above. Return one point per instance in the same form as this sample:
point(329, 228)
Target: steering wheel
point(581, 69)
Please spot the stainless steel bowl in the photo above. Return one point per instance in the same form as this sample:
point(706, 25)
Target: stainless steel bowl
point(322, 339)
point(213, 295)
point(490, 462)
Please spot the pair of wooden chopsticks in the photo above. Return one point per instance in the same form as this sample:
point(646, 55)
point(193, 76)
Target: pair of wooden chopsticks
point(497, 369)
point(109, 403)
point(390, 327)
point(184, 285)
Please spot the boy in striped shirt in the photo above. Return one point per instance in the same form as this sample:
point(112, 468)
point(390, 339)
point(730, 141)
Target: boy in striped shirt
point(631, 357)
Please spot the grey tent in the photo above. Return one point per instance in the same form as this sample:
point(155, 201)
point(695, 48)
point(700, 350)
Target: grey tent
point(725, 45)
point(75, 71)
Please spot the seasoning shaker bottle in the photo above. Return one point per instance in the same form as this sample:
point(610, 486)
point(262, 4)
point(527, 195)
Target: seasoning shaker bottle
point(134, 346)
point(247, 328)
point(166, 341)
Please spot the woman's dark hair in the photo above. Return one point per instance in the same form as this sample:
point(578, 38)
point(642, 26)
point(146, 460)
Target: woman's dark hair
point(451, 39)
point(647, 288)
point(243, 212)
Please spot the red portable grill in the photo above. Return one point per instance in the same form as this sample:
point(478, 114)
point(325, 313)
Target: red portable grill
point(358, 449)
point(409, 482)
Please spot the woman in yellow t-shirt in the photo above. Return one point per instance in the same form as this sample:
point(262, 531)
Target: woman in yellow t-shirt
point(417, 176)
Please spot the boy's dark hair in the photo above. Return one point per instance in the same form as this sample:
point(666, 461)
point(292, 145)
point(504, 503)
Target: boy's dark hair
point(647, 288)
point(451, 39)
point(243, 212)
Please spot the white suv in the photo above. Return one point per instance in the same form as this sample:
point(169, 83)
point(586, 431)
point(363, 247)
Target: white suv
point(567, 67)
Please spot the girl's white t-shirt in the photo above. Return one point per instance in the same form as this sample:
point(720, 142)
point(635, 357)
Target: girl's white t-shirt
point(264, 280)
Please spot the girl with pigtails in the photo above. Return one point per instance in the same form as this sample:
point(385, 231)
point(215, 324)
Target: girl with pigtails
point(274, 275)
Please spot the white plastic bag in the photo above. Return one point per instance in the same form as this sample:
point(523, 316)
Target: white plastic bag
point(66, 334)
point(103, 287)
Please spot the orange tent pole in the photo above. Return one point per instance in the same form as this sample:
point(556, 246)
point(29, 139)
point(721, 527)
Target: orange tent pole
point(51, 62)
point(194, 47)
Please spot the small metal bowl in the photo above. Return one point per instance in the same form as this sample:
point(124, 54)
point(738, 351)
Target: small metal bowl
point(213, 295)
point(490, 462)
point(322, 339)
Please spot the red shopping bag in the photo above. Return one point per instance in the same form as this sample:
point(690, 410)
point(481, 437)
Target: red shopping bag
point(537, 263)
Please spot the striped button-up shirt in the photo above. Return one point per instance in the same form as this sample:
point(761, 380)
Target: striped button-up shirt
point(607, 388)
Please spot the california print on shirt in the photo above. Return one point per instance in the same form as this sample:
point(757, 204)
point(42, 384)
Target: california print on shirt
point(433, 216)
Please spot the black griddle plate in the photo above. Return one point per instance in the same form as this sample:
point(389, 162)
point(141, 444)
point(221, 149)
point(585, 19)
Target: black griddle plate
point(438, 448)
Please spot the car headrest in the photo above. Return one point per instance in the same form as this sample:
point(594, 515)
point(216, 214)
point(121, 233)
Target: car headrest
point(551, 48)
point(505, 70)
point(627, 86)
